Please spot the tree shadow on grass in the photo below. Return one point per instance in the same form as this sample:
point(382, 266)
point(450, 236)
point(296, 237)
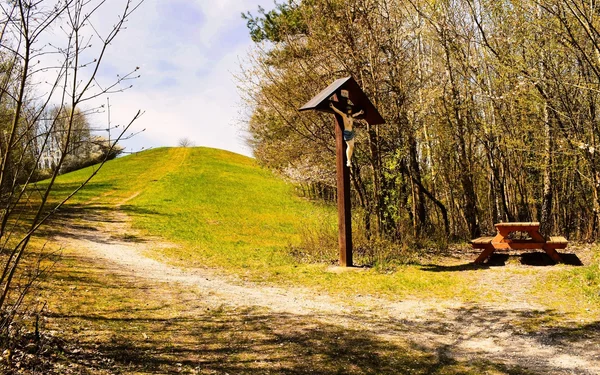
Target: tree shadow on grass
point(537, 259)
point(495, 260)
point(589, 332)
point(118, 324)
point(453, 268)
point(101, 213)
point(136, 210)
point(549, 328)
point(475, 327)
point(251, 341)
point(62, 190)
point(83, 222)
point(542, 259)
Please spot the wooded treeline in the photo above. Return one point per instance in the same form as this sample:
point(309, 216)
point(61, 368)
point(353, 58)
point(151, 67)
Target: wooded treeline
point(492, 110)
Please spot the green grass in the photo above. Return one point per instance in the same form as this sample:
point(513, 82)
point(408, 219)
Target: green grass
point(220, 205)
point(221, 210)
point(112, 322)
point(224, 211)
point(580, 285)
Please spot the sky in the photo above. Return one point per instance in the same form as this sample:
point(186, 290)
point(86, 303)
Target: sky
point(187, 52)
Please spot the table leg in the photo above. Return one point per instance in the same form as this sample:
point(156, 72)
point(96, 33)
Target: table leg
point(489, 249)
point(552, 253)
point(501, 235)
point(536, 235)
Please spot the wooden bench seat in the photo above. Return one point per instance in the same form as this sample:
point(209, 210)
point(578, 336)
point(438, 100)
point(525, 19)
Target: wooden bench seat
point(481, 242)
point(557, 242)
point(557, 239)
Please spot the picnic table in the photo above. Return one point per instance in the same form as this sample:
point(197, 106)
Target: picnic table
point(502, 241)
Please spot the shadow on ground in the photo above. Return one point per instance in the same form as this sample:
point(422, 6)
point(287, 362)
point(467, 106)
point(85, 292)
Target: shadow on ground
point(495, 260)
point(68, 217)
point(542, 259)
point(536, 259)
point(248, 341)
point(117, 324)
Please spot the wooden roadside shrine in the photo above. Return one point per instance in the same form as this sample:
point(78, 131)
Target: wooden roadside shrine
point(344, 91)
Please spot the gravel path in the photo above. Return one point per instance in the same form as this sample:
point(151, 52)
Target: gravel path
point(455, 330)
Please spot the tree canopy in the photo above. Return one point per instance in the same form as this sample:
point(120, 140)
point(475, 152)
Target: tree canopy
point(491, 110)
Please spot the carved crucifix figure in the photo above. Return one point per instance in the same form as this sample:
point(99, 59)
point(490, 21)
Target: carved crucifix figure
point(348, 117)
point(340, 92)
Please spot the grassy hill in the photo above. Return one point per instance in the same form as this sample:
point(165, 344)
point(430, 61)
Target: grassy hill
point(222, 210)
point(220, 207)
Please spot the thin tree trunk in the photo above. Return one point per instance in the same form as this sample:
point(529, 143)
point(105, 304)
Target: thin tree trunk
point(376, 168)
point(419, 211)
point(547, 196)
point(466, 178)
point(429, 195)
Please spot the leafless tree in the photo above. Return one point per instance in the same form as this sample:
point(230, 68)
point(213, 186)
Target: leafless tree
point(185, 142)
point(50, 55)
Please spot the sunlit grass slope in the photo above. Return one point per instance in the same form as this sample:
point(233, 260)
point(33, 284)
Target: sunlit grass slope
point(222, 210)
point(220, 206)
point(225, 209)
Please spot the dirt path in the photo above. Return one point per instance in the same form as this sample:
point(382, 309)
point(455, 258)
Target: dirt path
point(454, 330)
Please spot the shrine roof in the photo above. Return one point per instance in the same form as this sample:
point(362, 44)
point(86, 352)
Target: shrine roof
point(356, 95)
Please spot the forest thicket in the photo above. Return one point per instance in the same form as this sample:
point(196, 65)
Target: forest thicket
point(492, 110)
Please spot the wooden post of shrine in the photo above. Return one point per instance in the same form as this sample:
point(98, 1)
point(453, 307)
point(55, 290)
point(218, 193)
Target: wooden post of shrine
point(357, 98)
point(343, 194)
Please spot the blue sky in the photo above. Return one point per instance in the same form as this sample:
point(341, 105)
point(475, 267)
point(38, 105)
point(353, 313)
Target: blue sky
point(187, 51)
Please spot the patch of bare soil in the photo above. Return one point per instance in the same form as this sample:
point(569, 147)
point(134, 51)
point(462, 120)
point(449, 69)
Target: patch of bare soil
point(450, 330)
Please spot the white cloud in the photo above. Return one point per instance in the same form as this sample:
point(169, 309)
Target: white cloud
point(186, 51)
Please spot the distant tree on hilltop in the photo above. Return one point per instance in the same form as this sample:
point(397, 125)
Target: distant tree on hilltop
point(185, 142)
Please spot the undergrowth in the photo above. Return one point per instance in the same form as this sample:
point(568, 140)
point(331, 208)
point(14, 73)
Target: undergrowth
point(587, 278)
point(319, 244)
